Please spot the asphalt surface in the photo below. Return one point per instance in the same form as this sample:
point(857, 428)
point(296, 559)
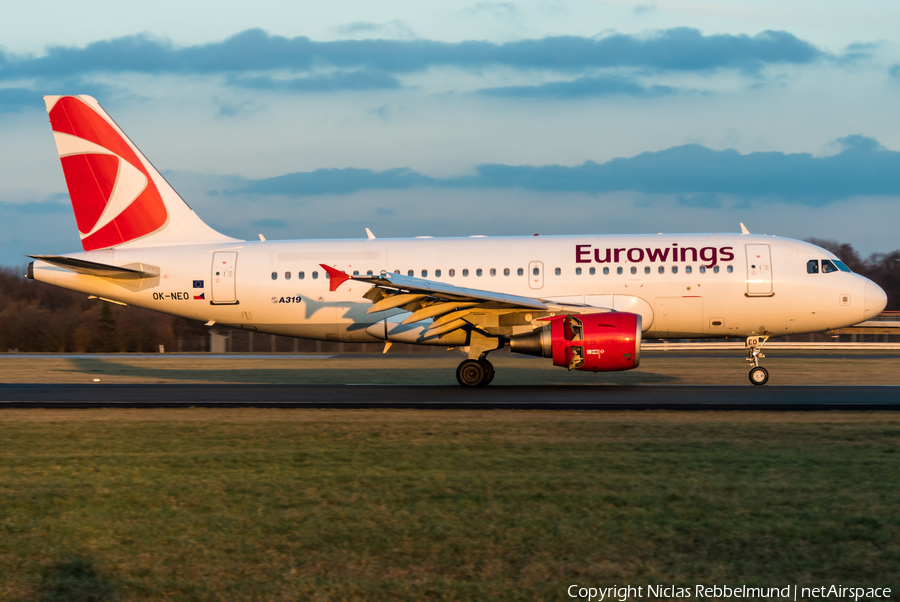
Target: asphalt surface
point(594, 397)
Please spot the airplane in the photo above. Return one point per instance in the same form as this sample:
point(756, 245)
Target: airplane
point(585, 302)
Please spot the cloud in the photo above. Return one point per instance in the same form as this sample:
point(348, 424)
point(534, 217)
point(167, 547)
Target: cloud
point(500, 10)
point(392, 29)
point(269, 223)
point(862, 168)
point(37, 207)
point(582, 87)
point(858, 51)
point(894, 71)
point(341, 80)
point(386, 111)
point(334, 181)
point(254, 50)
point(856, 142)
point(233, 109)
point(13, 100)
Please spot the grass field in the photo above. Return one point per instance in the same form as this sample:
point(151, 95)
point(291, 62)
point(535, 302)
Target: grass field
point(387, 505)
point(721, 368)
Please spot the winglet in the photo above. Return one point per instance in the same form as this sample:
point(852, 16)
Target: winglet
point(744, 229)
point(369, 234)
point(337, 277)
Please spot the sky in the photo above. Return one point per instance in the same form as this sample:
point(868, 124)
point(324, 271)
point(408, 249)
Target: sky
point(318, 120)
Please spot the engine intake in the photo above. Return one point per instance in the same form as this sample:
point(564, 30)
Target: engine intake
point(595, 342)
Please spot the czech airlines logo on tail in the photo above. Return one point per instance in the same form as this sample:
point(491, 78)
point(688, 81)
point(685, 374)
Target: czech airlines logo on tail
point(113, 195)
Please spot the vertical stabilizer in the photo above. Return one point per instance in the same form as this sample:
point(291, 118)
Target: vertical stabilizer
point(118, 196)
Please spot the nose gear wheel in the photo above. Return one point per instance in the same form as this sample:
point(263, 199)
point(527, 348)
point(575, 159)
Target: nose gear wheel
point(758, 374)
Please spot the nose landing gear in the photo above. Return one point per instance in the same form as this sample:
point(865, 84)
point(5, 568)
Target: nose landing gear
point(758, 374)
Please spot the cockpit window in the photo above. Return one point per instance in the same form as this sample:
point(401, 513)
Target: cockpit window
point(828, 266)
point(841, 266)
point(812, 266)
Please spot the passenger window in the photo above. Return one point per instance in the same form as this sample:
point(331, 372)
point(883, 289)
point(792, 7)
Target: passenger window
point(451, 272)
point(369, 273)
point(605, 271)
point(536, 271)
point(506, 271)
point(674, 269)
point(424, 273)
point(520, 272)
point(812, 266)
point(647, 269)
point(478, 272)
point(688, 269)
point(557, 271)
point(729, 269)
point(396, 271)
point(493, 272)
point(578, 271)
point(619, 270)
point(287, 275)
point(715, 269)
point(411, 273)
point(633, 270)
point(437, 273)
point(702, 269)
point(301, 275)
point(662, 269)
point(465, 271)
point(593, 271)
point(274, 275)
point(355, 273)
point(315, 275)
point(828, 267)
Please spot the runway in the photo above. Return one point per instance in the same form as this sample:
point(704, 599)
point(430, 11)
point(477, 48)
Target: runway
point(599, 397)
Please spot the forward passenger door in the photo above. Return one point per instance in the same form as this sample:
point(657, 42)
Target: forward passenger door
point(759, 271)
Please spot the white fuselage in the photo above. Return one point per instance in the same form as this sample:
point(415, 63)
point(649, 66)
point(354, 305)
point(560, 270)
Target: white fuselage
point(683, 286)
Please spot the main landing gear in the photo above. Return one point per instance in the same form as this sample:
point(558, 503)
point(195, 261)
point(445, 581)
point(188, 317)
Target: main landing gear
point(758, 374)
point(475, 373)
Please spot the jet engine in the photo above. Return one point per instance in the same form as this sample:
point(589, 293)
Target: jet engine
point(594, 342)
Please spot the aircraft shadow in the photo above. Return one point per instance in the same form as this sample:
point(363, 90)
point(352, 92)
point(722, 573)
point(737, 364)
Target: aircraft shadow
point(344, 375)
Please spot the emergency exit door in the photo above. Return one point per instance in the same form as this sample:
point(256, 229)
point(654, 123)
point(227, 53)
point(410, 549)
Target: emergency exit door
point(223, 278)
point(759, 271)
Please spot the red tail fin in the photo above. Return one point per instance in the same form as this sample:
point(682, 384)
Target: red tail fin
point(117, 195)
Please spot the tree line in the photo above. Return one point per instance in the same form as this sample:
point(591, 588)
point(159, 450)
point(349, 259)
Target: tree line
point(38, 317)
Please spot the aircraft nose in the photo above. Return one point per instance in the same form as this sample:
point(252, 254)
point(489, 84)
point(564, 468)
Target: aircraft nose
point(875, 300)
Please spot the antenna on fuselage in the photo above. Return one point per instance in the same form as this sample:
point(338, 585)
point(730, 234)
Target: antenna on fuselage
point(744, 229)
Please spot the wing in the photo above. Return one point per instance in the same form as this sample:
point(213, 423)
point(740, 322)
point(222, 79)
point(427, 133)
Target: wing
point(451, 307)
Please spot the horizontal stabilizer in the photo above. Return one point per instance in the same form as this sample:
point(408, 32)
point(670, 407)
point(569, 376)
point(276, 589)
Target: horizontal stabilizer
point(102, 270)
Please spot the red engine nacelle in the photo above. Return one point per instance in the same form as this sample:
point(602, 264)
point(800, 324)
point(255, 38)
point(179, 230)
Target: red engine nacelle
point(596, 342)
